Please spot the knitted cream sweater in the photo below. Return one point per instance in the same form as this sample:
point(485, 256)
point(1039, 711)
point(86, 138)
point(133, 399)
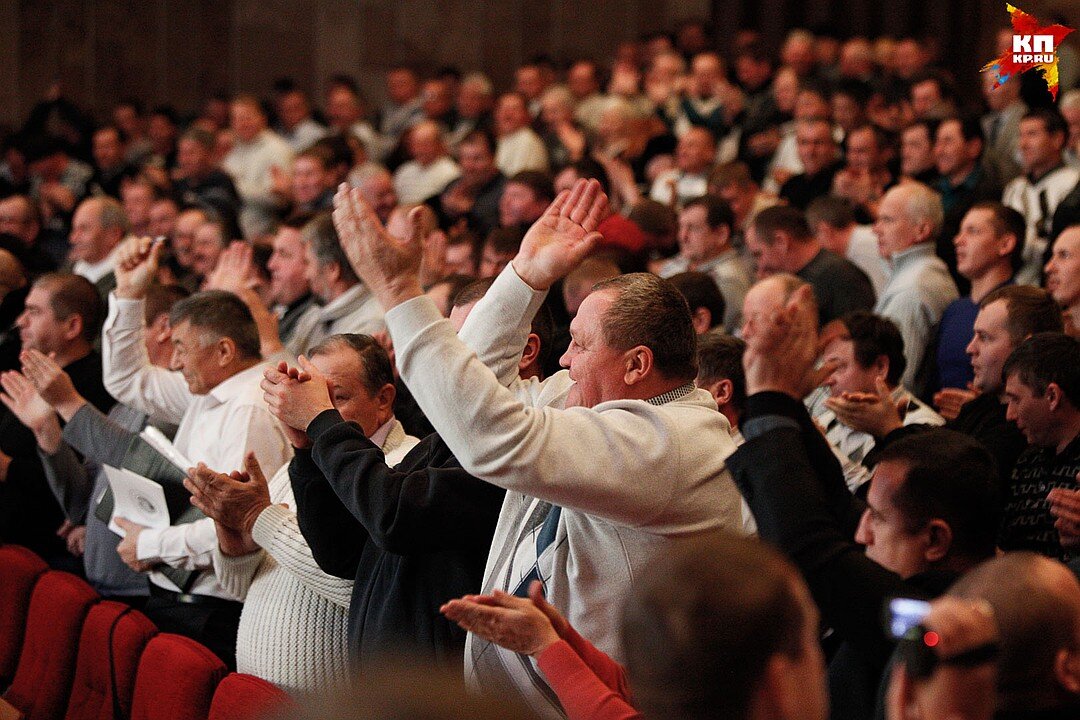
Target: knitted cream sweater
point(293, 626)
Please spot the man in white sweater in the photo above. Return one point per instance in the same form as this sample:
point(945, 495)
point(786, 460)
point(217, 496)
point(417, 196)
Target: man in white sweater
point(290, 602)
point(605, 466)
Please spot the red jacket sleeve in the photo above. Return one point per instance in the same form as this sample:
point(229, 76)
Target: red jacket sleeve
point(590, 685)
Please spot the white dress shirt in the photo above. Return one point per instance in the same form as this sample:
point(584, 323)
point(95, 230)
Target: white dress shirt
point(218, 428)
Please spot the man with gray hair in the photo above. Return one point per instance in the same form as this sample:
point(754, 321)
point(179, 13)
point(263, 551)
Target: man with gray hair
point(584, 523)
point(348, 306)
point(97, 228)
point(909, 219)
point(212, 393)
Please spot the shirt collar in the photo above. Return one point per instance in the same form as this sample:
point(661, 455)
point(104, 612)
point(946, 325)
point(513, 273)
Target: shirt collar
point(233, 386)
point(676, 394)
point(380, 436)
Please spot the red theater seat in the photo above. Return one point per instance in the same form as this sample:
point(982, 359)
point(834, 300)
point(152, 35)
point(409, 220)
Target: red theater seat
point(113, 639)
point(19, 572)
point(47, 662)
point(176, 680)
point(246, 697)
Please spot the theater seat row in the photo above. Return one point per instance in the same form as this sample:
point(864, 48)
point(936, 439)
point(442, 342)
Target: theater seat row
point(66, 654)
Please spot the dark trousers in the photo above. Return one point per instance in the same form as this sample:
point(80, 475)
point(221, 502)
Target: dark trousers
point(213, 624)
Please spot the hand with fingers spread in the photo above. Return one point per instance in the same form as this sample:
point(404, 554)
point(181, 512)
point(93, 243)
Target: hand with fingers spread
point(563, 236)
point(1065, 507)
point(137, 266)
point(781, 348)
point(51, 382)
point(32, 411)
point(526, 626)
point(296, 396)
point(388, 265)
point(129, 547)
point(233, 500)
point(874, 413)
point(235, 269)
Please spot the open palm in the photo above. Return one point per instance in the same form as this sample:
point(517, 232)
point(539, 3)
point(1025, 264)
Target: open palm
point(563, 236)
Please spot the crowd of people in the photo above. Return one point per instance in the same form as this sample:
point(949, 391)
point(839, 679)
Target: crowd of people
point(639, 389)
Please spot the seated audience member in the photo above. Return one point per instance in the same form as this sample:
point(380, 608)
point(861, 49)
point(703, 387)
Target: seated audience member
point(865, 176)
point(1042, 392)
point(312, 182)
point(19, 218)
point(866, 357)
point(931, 510)
point(832, 219)
point(199, 182)
point(377, 185)
point(519, 148)
point(989, 250)
point(1063, 277)
point(98, 226)
point(917, 152)
point(580, 281)
point(137, 197)
point(524, 198)
point(1007, 317)
point(1001, 125)
point(296, 125)
point(780, 241)
point(706, 225)
point(431, 168)
point(348, 304)
point(931, 94)
point(597, 498)
point(61, 317)
point(413, 536)
point(256, 151)
point(110, 167)
point(179, 256)
point(964, 181)
point(499, 248)
point(445, 290)
point(1036, 602)
point(207, 244)
point(695, 155)
point(162, 217)
point(290, 290)
point(563, 138)
point(216, 401)
point(755, 657)
point(1045, 181)
point(920, 288)
point(80, 486)
point(461, 254)
point(261, 554)
point(720, 371)
point(817, 151)
point(959, 679)
point(661, 227)
point(620, 235)
point(475, 194)
point(58, 181)
point(704, 299)
point(733, 183)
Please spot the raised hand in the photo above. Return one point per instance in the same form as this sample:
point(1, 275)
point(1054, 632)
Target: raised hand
point(234, 500)
point(235, 270)
point(511, 622)
point(949, 401)
point(32, 411)
point(137, 266)
point(296, 397)
point(388, 265)
point(51, 382)
point(781, 348)
point(563, 236)
point(875, 413)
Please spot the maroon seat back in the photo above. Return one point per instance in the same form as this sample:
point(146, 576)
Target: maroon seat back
point(113, 639)
point(246, 697)
point(19, 572)
point(42, 683)
point(176, 680)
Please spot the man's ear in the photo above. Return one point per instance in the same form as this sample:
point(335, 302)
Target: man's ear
point(939, 540)
point(531, 352)
point(226, 351)
point(721, 390)
point(385, 397)
point(1067, 670)
point(702, 320)
point(639, 363)
point(1053, 395)
point(881, 366)
point(72, 326)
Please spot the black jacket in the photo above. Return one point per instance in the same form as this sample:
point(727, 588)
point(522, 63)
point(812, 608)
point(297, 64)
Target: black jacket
point(413, 536)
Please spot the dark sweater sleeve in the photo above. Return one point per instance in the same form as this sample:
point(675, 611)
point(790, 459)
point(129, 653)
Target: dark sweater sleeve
point(791, 501)
point(427, 503)
point(335, 537)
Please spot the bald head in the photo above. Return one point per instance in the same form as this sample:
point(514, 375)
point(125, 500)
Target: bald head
point(1036, 601)
point(12, 275)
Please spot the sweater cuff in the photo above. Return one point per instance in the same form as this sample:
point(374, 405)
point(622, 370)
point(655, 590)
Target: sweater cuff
point(771, 402)
point(410, 318)
point(323, 422)
point(267, 524)
point(125, 312)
